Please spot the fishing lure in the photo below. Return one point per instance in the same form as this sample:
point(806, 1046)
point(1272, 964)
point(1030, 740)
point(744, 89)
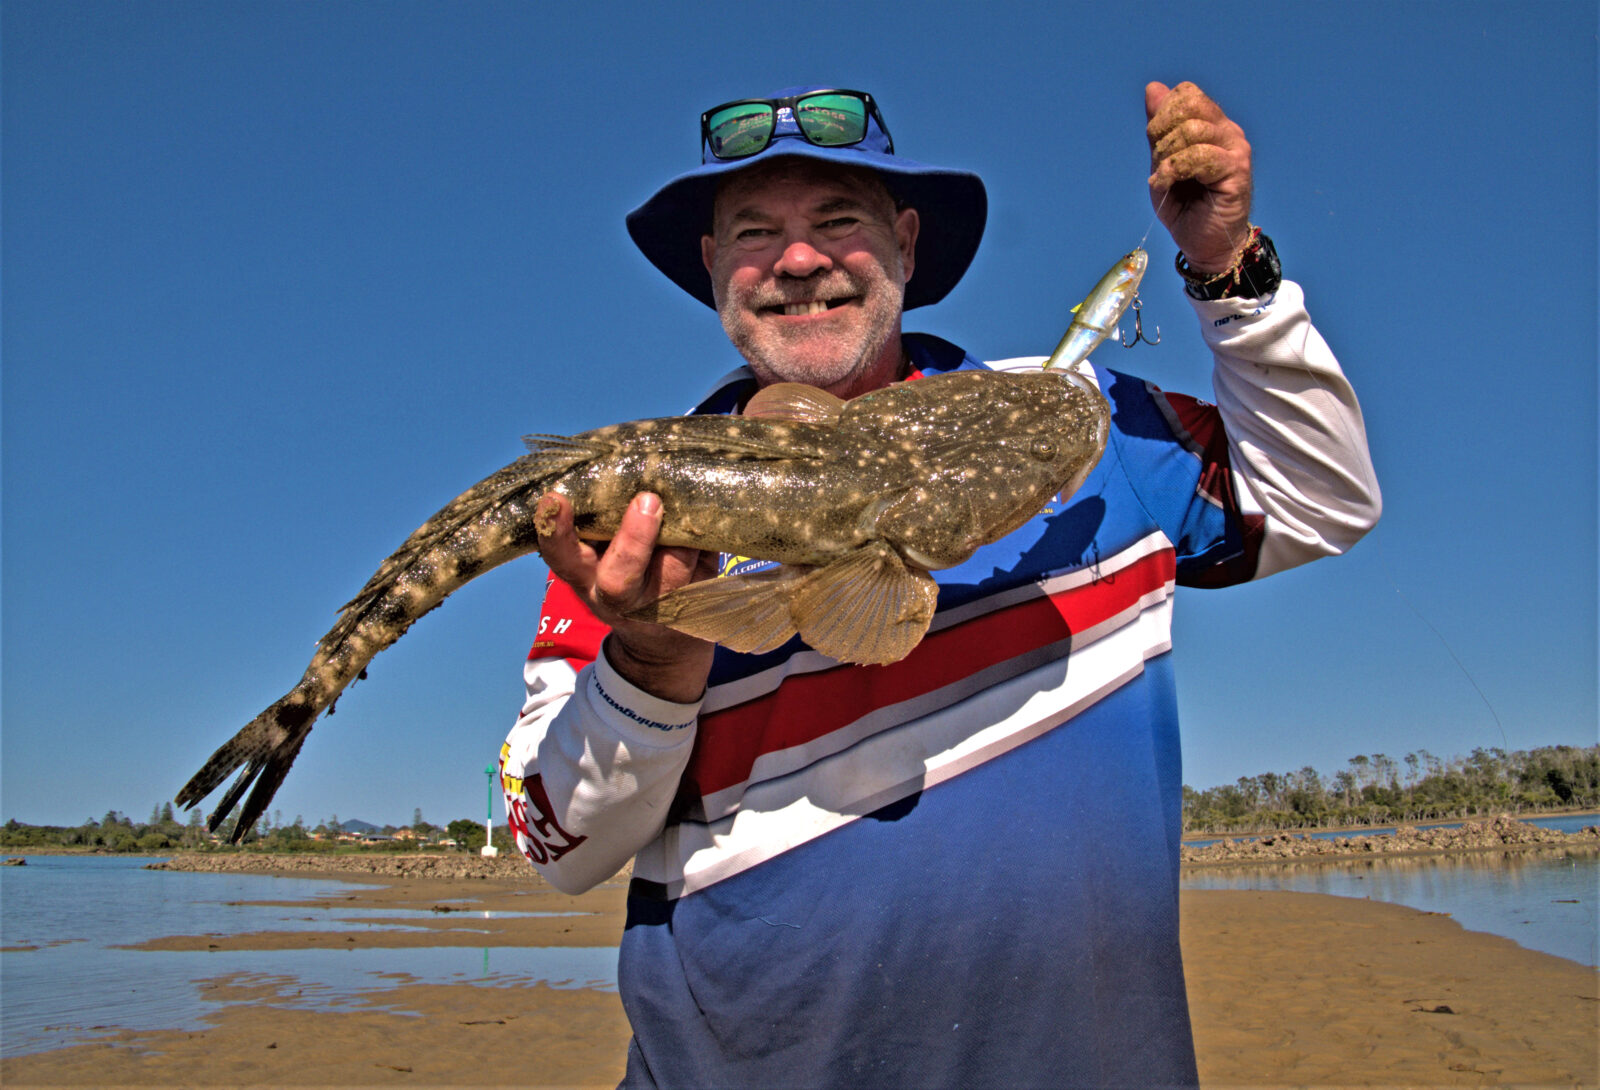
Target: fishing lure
point(1101, 310)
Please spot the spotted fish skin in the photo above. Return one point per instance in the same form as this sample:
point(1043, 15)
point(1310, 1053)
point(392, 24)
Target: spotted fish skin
point(802, 477)
point(856, 501)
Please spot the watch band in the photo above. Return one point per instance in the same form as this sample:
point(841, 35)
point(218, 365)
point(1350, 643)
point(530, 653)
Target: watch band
point(1255, 273)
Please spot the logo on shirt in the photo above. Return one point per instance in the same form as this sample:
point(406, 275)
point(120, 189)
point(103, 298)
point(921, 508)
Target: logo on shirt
point(532, 819)
point(728, 564)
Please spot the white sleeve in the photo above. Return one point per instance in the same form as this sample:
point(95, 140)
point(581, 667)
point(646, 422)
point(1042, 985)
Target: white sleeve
point(590, 770)
point(1296, 440)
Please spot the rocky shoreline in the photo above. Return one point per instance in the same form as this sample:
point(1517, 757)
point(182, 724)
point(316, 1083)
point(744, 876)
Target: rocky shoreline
point(1503, 833)
point(453, 865)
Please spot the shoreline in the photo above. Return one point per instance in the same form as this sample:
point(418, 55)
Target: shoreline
point(1361, 830)
point(1286, 989)
point(1506, 832)
point(1502, 833)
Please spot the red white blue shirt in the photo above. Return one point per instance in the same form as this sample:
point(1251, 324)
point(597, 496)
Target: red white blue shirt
point(960, 869)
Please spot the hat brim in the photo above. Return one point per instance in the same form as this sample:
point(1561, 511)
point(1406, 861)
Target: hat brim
point(953, 207)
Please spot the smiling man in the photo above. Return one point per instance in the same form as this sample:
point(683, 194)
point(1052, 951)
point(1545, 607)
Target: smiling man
point(960, 869)
point(808, 267)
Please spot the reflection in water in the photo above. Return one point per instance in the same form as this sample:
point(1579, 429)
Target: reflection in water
point(1543, 900)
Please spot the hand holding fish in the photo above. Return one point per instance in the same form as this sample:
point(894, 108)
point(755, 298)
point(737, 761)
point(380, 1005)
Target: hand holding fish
point(617, 578)
point(854, 501)
point(1199, 174)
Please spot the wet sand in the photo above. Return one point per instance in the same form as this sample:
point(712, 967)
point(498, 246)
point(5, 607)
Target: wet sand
point(1286, 989)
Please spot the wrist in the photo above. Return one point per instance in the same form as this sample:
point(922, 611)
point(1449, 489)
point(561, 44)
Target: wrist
point(1254, 273)
point(673, 668)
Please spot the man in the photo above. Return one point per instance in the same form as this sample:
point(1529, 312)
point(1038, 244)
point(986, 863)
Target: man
point(960, 869)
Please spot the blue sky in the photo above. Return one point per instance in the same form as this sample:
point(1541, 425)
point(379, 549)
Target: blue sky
point(280, 279)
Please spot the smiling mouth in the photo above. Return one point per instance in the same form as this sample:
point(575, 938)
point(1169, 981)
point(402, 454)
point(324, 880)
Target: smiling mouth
point(815, 306)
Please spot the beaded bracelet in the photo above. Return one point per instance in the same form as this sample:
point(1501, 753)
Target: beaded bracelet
point(1255, 272)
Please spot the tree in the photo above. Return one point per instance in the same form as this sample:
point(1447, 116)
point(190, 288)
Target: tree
point(1362, 765)
point(466, 833)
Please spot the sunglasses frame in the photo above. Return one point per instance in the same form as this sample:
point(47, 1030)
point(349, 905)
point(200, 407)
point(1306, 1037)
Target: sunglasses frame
point(776, 104)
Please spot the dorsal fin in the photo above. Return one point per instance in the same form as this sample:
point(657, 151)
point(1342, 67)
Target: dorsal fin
point(796, 402)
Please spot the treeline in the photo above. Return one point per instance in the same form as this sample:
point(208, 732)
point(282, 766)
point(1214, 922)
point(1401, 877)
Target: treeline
point(1373, 790)
point(116, 832)
point(1377, 790)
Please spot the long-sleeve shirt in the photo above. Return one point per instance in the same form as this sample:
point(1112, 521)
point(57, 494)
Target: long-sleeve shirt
point(962, 868)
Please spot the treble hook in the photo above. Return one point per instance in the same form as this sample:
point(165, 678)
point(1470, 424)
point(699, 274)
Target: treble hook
point(1138, 327)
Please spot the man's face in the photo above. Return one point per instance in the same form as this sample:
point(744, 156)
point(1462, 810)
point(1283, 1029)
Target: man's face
point(808, 265)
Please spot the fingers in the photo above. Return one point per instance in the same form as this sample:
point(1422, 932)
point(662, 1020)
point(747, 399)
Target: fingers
point(1191, 138)
point(1200, 173)
point(627, 572)
point(1153, 94)
point(624, 567)
point(569, 558)
point(1205, 163)
point(1167, 109)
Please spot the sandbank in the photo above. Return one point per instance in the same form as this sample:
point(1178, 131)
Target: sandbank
point(1286, 989)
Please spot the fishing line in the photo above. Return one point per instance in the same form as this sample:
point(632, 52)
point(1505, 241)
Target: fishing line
point(1155, 219)
point(1372, 487)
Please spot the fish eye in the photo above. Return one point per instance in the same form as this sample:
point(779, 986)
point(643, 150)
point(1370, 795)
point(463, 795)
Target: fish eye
point(1043, 449)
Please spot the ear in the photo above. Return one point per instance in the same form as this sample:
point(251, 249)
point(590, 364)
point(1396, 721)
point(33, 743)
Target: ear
point(708, 251)
point(907, 224)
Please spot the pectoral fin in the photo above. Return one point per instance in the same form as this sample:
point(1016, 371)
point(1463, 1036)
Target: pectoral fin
point(795, 401)
point(868, 607)
point(747, 613)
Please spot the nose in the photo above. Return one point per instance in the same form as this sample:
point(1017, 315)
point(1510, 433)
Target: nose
point(801, 259)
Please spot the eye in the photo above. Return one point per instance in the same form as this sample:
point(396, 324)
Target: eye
point(1043, 449)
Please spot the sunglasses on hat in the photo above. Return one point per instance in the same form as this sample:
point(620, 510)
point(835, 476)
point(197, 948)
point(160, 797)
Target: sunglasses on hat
point(829, 119)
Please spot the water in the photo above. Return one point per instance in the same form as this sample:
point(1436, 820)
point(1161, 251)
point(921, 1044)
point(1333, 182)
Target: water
point(1542, 900)
point(63, 978)
point(75, 984)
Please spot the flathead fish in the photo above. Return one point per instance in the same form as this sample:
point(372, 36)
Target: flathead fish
point(856, 501)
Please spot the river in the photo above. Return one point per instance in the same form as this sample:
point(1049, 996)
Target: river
point(64, 977)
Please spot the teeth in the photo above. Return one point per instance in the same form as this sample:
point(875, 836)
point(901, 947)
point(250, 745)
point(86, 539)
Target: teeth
point(816, 306)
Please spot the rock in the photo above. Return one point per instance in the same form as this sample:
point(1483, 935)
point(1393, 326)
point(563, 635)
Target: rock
point(451, 865)
point(1502, 831)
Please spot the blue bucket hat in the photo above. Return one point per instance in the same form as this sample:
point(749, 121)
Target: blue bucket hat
point(952, 205)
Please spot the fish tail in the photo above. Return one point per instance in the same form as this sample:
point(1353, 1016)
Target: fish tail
point(480, 529)
point(266, 747)
point(548, 458)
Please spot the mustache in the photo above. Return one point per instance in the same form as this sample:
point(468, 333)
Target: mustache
point(827, 286)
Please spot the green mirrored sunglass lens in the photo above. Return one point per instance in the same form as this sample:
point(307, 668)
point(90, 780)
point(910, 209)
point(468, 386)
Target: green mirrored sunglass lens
point(739, 130)
point(832, 120)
